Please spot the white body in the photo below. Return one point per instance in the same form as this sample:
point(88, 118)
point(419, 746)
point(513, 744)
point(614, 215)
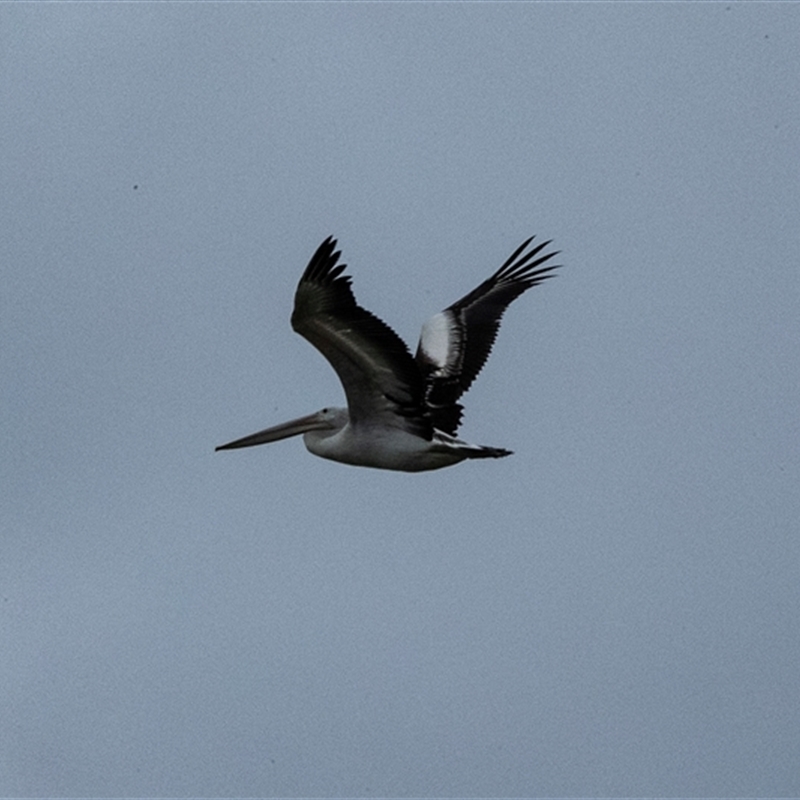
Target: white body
point(389, 448)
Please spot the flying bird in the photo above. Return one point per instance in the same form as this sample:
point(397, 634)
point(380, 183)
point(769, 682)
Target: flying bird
point(402, 411)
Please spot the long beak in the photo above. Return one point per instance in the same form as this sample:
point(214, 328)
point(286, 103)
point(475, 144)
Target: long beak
point(310, 423)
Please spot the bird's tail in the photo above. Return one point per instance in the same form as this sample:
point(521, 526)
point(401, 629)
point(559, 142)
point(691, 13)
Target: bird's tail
point(454, 445)
point(479, 451)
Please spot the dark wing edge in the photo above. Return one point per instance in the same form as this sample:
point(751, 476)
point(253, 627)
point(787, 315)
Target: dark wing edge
point(373, 363)
point(470, 328)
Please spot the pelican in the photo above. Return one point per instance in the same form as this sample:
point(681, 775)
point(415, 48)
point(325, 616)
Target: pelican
point(402, 412)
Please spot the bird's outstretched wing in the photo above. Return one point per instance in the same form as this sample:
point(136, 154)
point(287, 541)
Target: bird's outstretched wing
point(456, 342)
point(381, 380)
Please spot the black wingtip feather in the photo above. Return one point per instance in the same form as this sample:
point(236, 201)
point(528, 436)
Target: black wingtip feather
point(322, 268)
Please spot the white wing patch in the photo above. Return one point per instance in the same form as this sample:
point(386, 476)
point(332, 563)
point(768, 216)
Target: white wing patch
point(441, 343)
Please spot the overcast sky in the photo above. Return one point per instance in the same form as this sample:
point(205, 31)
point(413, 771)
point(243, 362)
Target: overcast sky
point(611, 611)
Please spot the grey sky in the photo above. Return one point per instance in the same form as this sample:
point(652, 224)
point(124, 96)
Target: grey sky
point(611, 611)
